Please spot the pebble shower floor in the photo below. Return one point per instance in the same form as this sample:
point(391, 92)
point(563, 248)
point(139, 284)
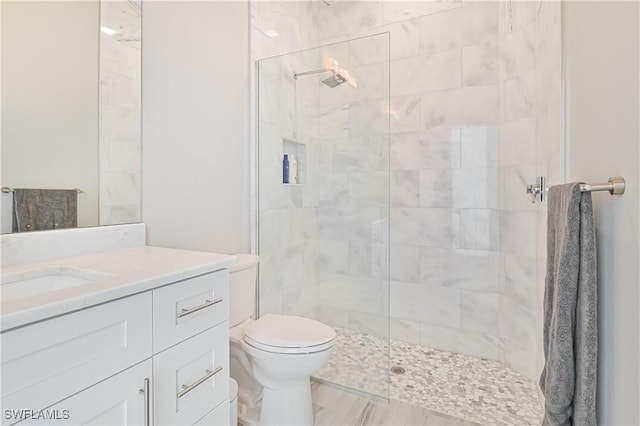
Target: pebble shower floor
point(475, 389)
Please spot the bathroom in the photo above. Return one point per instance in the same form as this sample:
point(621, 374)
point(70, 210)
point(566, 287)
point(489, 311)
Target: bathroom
point(408, 231)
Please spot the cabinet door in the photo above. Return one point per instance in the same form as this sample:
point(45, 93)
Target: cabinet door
point(119, 400)
point(191, 378)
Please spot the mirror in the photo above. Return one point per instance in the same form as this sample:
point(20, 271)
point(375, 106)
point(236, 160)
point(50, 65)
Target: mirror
point(71, 110)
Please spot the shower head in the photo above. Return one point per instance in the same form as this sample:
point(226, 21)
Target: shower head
point(335, 80)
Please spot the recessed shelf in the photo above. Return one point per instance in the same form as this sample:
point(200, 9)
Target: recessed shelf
point(299, 151)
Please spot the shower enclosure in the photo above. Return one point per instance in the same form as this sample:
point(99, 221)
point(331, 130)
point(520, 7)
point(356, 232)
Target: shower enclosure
point(408, 228)
point(324, 231)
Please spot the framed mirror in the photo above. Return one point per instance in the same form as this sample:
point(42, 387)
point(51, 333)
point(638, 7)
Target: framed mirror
point(71, 110)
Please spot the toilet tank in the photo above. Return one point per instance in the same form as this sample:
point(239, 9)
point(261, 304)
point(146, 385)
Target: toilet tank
point(242, 288)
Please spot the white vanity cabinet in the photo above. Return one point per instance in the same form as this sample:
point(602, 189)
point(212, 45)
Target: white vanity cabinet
point(157, 357)
point(114, 401)
point(191, 360)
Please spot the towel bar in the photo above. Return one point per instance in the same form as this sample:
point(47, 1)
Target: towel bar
point(615, 186)
point(8, 190)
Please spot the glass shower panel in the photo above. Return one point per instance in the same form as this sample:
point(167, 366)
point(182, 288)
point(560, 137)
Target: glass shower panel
point(324, 225)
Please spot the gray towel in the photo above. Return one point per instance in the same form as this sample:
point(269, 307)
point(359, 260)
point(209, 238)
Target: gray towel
point(568, 380)
point(39, 209)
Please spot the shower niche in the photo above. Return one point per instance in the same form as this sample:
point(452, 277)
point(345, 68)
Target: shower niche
point(297, 169)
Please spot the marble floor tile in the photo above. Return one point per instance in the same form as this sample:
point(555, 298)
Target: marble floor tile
point(440, 383)
point(334, 406)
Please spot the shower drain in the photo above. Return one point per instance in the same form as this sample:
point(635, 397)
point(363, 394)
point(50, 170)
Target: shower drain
point(398, 370)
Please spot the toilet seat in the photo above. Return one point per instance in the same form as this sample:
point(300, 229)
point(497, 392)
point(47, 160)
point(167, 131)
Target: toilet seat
point(288, 334)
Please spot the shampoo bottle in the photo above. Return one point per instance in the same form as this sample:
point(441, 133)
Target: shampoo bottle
point(285, 169)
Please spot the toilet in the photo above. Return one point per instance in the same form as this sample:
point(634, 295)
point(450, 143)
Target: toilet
point(272, 357)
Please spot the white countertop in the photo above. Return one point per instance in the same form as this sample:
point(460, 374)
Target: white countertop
point(130, 271)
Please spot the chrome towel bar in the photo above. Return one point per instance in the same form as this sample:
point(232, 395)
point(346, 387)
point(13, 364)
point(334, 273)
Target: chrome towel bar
point(615, 186)
point(8, 190)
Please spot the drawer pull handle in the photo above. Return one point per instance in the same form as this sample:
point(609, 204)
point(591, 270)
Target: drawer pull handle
point(206, 304)
point(146, 393)
point(186, 389)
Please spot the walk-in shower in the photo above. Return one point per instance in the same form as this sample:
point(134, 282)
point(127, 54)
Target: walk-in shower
point(323, 241)
point(408, 229)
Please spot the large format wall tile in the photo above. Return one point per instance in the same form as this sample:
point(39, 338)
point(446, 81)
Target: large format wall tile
point(436, 188)
point(479, 229)
point(404, 112)
point(480, 345)
point(435, 227)
point(438, 337)
point(368, 118)
point(459, 27)
point(405, 188)
point(479, 311)
point(369, 189)
point(354, 293)
point(394, 11)
point(347, 17)
point(474, 115)
point(472, 105)
point(426, 73)
point(429, 304)
point(366, 153)
point(517, 323)
point(426, 150)
point(480, 64)
point(518, 233)
point(405, 263)
point(479, 147)
point(475, 270)
point(475, 188)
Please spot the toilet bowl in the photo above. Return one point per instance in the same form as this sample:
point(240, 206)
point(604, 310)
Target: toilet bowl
point(278, 353)
point(273, 357)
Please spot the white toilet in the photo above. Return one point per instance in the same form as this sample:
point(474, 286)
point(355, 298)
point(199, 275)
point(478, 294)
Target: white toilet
point(272, 357)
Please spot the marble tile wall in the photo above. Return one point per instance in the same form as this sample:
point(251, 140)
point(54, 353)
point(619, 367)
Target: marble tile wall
point(324, 244)
point(474, 116)
point(444, 166)
point(288, 219)
point(530, 145)
point(549, 133)
point(120, 113)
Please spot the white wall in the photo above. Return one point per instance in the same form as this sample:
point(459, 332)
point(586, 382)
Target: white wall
point(602, 140)
point(196, 125)
point(50, 100)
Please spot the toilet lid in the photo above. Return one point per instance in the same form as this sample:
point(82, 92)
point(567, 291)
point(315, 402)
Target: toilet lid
point(289, 332)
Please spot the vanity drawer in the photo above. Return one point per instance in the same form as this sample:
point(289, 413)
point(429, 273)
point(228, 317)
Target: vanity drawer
point(46, 362)
point(191, 378)
point(188, 307)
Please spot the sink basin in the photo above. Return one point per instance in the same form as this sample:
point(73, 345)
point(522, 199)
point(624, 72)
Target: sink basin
point(46, 280)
